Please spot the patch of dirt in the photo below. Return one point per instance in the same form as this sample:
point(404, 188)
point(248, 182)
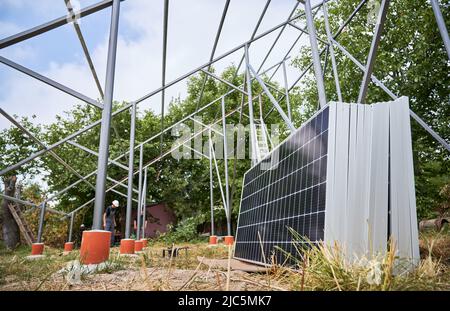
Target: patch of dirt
point(151, 279)
point(162, 279)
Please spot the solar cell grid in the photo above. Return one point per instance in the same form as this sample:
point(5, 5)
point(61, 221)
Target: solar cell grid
point(290, 194)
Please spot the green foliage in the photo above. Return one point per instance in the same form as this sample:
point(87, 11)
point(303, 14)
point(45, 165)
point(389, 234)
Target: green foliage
point(411, 61)
point(184, 231)
point(15, 146)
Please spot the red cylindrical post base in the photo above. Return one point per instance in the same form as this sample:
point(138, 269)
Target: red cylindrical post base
point(144, 242)
point(37, 248)
point(95, 246)
point(213, 240)
point(127, 246)
point(138, 245)
point(68, 247)
point(229, 240)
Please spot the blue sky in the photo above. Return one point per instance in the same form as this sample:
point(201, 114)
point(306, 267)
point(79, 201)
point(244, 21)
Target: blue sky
point(192, 28)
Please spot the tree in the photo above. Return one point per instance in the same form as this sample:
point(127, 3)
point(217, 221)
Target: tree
point(15, 146)
point(411, 61)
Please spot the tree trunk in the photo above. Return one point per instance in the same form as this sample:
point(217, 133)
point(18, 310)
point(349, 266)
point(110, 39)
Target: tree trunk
point(11, 233)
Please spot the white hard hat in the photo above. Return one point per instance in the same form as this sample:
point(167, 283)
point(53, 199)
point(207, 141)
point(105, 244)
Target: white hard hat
point(115, 203)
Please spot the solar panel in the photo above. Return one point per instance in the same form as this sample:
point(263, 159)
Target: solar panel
point(285, 190)
point(346, 176)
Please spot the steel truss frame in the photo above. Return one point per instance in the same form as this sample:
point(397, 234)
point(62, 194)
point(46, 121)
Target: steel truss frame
point(106, 95)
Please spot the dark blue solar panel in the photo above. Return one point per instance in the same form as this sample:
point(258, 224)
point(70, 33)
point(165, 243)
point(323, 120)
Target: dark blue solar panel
point(291, 194)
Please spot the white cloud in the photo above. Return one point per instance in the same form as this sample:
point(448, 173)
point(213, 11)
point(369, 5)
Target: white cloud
point(192, 28)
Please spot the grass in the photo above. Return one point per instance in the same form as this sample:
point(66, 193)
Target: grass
point(323, 268)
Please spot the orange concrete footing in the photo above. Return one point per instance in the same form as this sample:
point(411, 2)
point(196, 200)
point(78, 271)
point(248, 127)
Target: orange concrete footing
point(229, 240)
point(212, 239)
point(144, 242)
point(37, 248)
point(68, 247)
point(138, 245)
point(127, 246)
point(95, 246)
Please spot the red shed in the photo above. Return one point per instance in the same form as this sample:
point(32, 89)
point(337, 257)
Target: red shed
point(158, 215)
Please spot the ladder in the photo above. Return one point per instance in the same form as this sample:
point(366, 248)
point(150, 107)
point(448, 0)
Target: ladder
point(262, 149)
point(23, 226)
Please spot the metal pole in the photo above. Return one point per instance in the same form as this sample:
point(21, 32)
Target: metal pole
point(130, 172)
point(138, 212)
point(211, 190)
point(163, 70)
point(373, 51)
point(144, 204)
point(41, 223)
point(272, 99)
point(50, 82)
point(331, 49)
point(71, 227)
point(286, 88)
point(225, 158)
point(216, 41)
point(103, 153)
point(250, 106)
point(61, 21)
point(441, 24)
point(315, 53)
point(84, 46)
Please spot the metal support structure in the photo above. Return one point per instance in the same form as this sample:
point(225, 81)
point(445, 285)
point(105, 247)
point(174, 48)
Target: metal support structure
point(373, 50)
point(138, 211)
point(213, 52)
point(72, 215)
point(163, 69)
point(331, 50)
point(286, 87)
point(130, 173)
point(272, 99)
point(225, 159)
point(393, 96)
point(278, 37)
point(180, 78)
point(224, 81)
point(142, 143)
point(106, 119)
point(253, 145)
point(224, 200)
point(144, 204)
point(211, 189)
point(441, 24)
point(90, 151)
point(338, 32)
point(255, 30)
point(41, 223)
point(61, 21)
point(35, 139)
point(50, 82)
point(120, 193)
point(103, 160)
point(315, 53)
point(307, 32)
point(291, 48)
point(77, 28)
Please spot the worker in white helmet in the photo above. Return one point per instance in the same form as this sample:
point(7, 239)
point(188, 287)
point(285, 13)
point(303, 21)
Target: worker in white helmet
point(109, 219)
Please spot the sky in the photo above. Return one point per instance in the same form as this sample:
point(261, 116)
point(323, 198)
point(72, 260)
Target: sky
point(192, 28)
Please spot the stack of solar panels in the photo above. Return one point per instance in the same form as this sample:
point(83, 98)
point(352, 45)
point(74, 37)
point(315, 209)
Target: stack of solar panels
point(345, 177)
